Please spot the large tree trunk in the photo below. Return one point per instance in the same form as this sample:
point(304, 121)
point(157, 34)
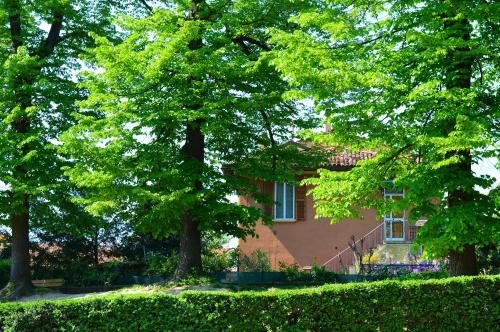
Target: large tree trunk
point(463, 263)
point(194, 156)
point(190, 248)
point(190, 237)
point(20, 271)
point(20, 275)
point(463, 260)
point(459, 75)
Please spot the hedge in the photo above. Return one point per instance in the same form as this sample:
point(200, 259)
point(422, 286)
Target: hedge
point(453, 304)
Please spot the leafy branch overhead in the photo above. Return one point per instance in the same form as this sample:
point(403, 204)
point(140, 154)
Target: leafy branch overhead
point(417, 84)
point(183, 113)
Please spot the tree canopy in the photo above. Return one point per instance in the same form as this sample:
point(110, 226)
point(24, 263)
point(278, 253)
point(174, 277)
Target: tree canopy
point(40, 45)
point(182, 114)
point(155, 112)
point(417, 82)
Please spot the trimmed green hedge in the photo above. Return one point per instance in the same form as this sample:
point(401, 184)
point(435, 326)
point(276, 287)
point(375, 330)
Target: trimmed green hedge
point(454, 304)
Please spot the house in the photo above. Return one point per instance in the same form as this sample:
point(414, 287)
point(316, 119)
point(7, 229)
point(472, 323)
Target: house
point(297, 237)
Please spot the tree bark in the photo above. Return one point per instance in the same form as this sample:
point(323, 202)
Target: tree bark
point(463, 263)
point(459, 76)
point(190, 236)
point(463, 260)
point(193, 150)
point(20, 271)
point(20, 275)
point(190, 248)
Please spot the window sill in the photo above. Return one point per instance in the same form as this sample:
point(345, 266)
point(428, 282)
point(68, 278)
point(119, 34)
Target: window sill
point(284, 220)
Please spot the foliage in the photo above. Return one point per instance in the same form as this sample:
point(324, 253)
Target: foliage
point(234, 257)
point(321, 275)
point(218, 261)
point(167, 265)
point(81, 274)
point(4, 270)
point(405, 273)
point(489, 259)
point(38, 87)
point(162, 265)
point(417, 83)
point(257, 262)
point(424, 275)
point(55, 251)
point(5, 247)
point(318, 274)
point(291, 271)
point(153, 90)
point(464, 304)
point(41, 45)
point(191, 280)
point(136, 246)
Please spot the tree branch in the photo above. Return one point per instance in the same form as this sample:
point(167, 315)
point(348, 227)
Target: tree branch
point(263, 45)
point(146, 5)
point(73, 34)
point(390, 160)
point(15, 27)
point(269, 128)
point(53, 38)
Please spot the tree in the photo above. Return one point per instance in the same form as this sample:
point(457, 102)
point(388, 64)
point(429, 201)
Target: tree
point(182, 114)
point(40, 42)
point(415, 81)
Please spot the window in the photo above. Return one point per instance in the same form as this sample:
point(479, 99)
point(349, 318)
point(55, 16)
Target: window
point(394, 221)
point(284, 201)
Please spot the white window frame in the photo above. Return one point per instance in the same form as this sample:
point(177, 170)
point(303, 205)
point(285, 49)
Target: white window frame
point(389, 220)
point(285, 203)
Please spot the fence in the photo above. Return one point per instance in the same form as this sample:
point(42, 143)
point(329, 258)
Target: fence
point(255, 278)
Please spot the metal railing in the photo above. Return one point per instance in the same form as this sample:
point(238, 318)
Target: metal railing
point(346, 258)
point(412, 232)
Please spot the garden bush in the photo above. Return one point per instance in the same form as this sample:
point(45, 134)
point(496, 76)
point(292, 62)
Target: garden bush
point(159, 264)
point(4, 271)
point(257, 262)
point(453, 304)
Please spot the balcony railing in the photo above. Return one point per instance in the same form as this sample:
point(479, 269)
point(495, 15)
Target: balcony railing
point(346, 258)
point(412, 232)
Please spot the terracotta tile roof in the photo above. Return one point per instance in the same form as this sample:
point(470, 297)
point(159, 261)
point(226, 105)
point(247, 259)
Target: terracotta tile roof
point(346, 158)
point(336, 156)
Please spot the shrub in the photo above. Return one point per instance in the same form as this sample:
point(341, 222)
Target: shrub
point(321, 275)
point(80, 274)
point(257, 262)
point(424, 275)
point(216, 262)
point(159, 264)
point(292, 271)
point(4, 271)
point(318, 275)
point(454, 304)
point(488, 258)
